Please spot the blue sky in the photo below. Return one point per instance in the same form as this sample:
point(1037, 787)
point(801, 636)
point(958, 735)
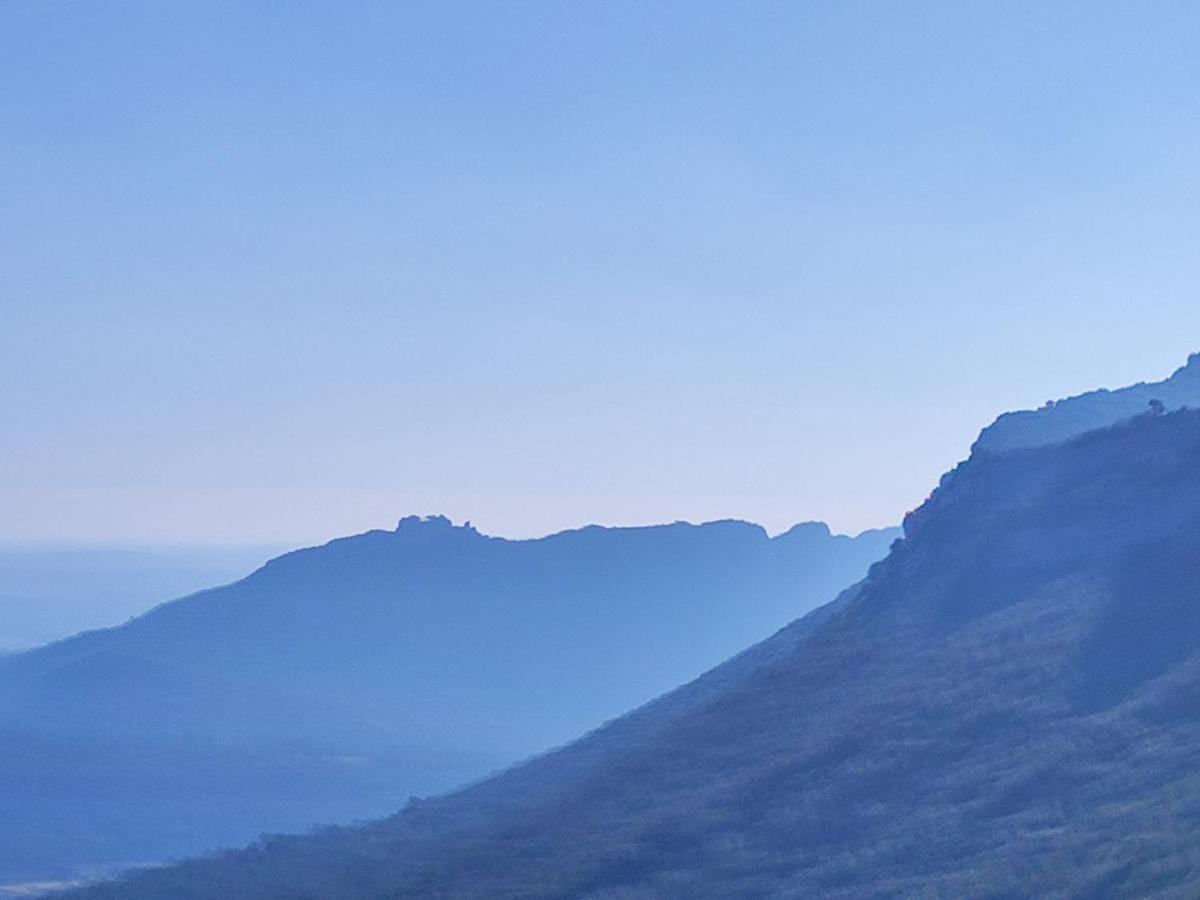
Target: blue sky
point(276, 272)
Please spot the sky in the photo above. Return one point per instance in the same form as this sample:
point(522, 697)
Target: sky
point(276, 272)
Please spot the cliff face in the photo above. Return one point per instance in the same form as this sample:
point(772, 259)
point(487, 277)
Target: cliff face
point(1062, 420)
point(1005, 707)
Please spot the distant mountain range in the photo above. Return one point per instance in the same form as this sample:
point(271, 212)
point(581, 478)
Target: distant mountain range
point(336, 681)
point(1006, 707)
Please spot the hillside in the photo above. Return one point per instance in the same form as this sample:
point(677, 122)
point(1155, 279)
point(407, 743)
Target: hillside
point(335, 681)
point(1005, 707)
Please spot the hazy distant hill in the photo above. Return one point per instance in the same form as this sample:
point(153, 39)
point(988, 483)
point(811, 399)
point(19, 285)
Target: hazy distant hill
point(49, 591)
point(1007, 707)
point(1061, 420)
point(336, 681)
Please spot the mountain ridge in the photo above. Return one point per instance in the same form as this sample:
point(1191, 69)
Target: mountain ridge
point(1060, 420)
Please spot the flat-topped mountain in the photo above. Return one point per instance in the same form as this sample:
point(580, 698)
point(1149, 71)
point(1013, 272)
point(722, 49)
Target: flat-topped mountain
point(335, 681)
point(1061, 420)
point(1007, 706)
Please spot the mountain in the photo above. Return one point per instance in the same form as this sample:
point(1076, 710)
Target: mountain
point(335, 681)
point(1008, 706)
point(1061, 420)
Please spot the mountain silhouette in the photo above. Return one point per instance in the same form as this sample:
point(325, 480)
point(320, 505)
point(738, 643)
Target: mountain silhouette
point(1061, 420)
point(336, 681)
point(1007, 706)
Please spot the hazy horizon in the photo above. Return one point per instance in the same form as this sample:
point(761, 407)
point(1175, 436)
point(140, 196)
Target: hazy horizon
point(49, 591)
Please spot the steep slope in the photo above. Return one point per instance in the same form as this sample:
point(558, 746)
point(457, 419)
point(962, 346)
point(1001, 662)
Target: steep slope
point(1062, 420)
point(336, 681)
point(1006, 707)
